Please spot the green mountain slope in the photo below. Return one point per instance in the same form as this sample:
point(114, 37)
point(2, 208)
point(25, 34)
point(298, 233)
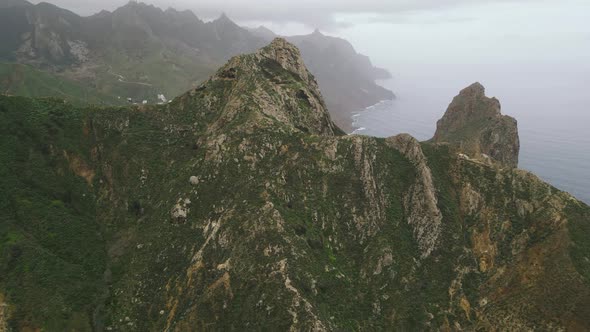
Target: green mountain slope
point(241, 206)
point(23, 80)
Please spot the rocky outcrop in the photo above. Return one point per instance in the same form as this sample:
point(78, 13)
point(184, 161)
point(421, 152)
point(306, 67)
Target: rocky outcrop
point(271, 84)
point(474, 124)
point(420, 202)
point(287, 56)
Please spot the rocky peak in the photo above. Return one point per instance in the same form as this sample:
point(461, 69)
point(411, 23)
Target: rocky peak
point(134, 12)
point(273, 87)
point(102, 13)
point(183, 17)
point(473, 101)
point(136, 5)
point(475, 89)
point(288, 56)
point(223, 18)
point(474, 123)
point(224, 21)
point(263, 32)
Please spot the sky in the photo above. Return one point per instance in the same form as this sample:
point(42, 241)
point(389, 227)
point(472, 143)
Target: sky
point(525, 31)
point(324, 14)
point(481, 28)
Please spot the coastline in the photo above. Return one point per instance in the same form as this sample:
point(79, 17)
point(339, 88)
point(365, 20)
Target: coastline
point(356, 128)
point(343, 106)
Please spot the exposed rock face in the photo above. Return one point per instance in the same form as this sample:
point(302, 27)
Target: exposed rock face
point(474, 124)
point(282, 225)
point(288, 56)
point(420, 202)
point(273, 83)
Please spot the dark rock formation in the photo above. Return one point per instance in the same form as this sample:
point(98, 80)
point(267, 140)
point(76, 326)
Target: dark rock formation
point(474, 124)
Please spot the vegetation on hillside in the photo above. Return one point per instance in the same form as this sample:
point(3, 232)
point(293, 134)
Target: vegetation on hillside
point(240, 205)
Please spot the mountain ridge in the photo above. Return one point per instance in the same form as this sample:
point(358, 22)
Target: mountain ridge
point(167, 51)
point(238, 205)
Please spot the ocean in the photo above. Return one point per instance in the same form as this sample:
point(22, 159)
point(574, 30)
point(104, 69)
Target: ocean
point(552, 110)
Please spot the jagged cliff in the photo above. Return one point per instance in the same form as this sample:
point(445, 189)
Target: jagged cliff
point(240, 206)
point(473, 123)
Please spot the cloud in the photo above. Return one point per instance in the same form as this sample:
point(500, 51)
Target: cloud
point(404, 18)
point(313, 13)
